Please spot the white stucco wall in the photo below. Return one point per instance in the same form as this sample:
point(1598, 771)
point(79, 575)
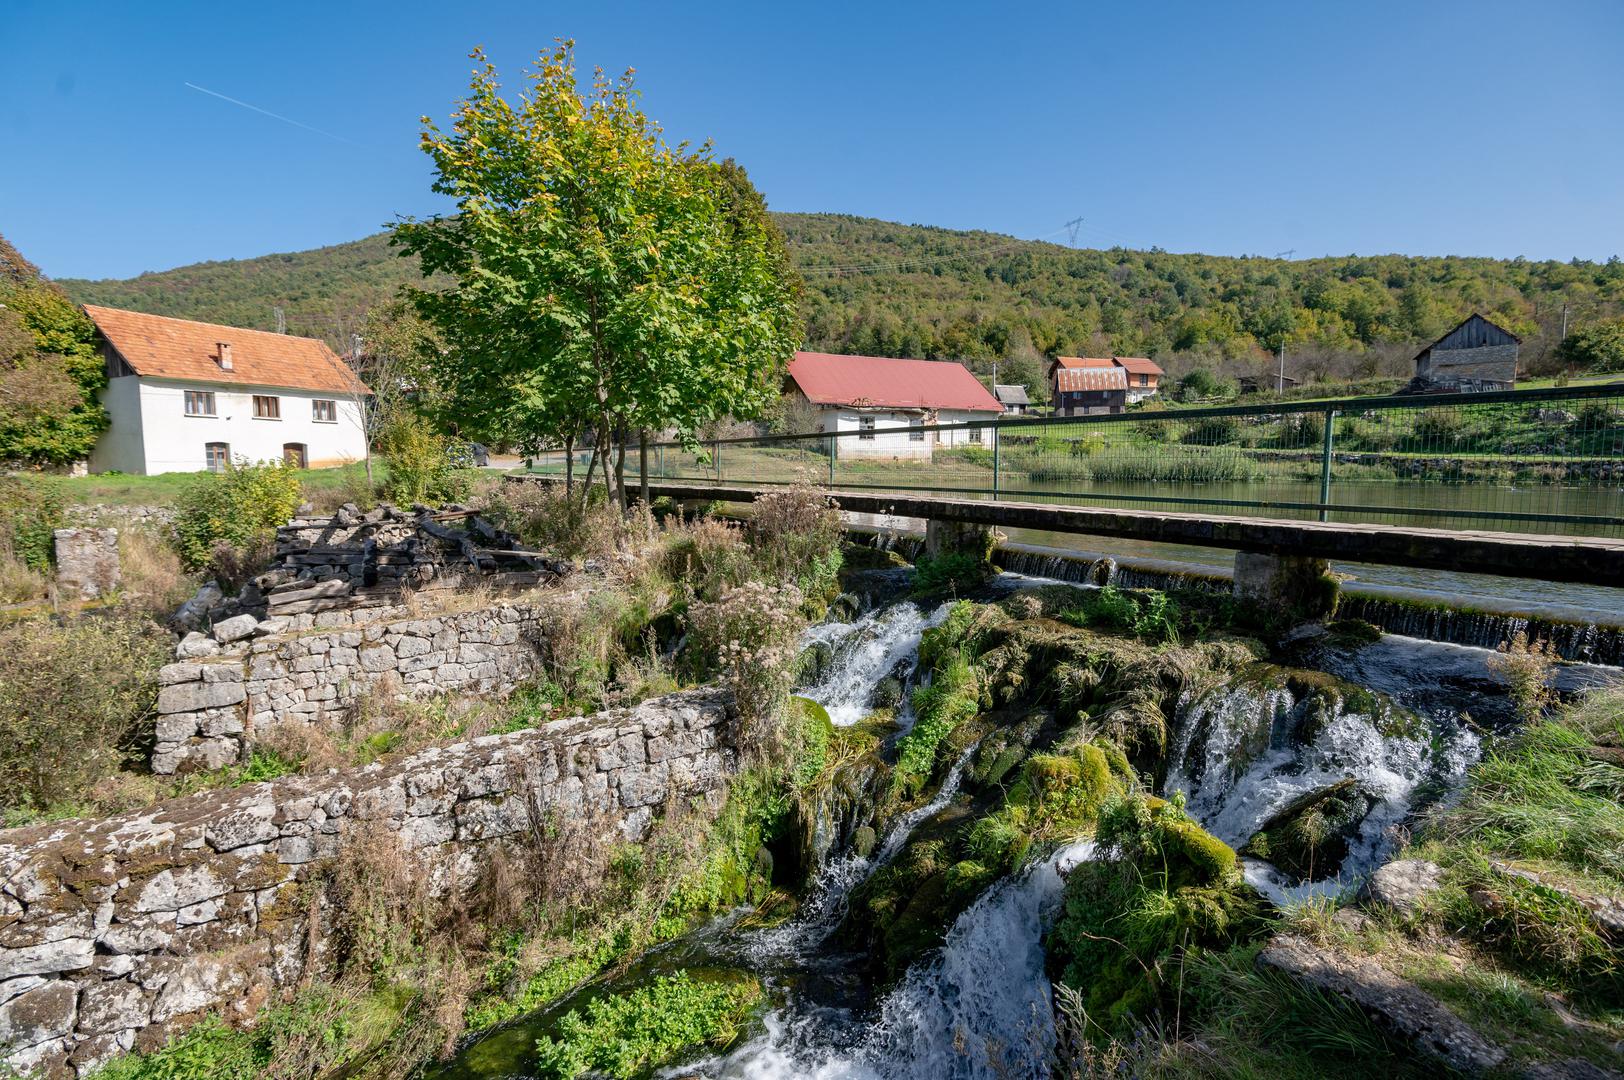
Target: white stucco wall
point(167, 440)
point(119, 448)
point(897, 444)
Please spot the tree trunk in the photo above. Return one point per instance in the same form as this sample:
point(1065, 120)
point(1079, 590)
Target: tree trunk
point(620, 467)
point(569, 466)
point(642, 462)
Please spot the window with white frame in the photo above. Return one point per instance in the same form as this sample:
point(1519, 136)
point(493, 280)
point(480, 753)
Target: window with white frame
point(267, 407)
point(975, 434)
point(200, 403)
point(916, 431)
point(324, 411)
point(217, 455)
point(865, 428)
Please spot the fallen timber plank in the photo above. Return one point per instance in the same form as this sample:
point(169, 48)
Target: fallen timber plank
point(1580, 559)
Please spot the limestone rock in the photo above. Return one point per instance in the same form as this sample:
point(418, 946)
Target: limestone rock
point(1403, 883)
point(197, 696)
point(234, 629)
point(1403, 1008)
point(44, 1013)
point(195, 645)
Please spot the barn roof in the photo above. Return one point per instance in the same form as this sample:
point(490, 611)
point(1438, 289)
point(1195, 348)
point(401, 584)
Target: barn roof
point(162, 347)
point(1091, 378)
point(831, 379)
point(1458, 326)
point(1011, 394)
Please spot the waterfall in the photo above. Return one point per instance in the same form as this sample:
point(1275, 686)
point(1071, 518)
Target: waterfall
point(980, 1008)
point(866, 652)
point(1575, 639)
point(1244, 753)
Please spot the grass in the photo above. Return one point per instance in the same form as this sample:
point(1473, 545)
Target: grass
point(122, 489)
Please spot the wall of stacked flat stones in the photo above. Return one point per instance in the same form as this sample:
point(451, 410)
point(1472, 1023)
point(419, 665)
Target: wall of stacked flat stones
point(116, 934)
point(213, 704)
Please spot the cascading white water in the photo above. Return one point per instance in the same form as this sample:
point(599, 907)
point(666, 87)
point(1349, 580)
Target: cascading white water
point(865, 652)
point(1244, 772)
point(979, 1009)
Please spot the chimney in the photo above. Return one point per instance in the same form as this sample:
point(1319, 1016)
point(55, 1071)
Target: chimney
point(225, 355)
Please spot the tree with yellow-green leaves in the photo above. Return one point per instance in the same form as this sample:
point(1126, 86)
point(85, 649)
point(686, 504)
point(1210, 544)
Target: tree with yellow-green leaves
point(605, 283)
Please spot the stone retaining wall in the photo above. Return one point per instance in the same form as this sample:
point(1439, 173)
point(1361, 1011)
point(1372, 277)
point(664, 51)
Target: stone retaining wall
point(117, 933)
point(223, 692)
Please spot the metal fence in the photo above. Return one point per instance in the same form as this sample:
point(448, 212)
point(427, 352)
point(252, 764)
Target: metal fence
point(1546, 460)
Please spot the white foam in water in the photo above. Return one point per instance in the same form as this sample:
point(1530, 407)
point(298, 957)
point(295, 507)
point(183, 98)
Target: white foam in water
point(1232, 808)
point(865, 652)
point(980, 1009)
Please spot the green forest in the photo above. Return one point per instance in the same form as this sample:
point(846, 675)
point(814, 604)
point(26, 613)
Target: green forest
point(887, 289)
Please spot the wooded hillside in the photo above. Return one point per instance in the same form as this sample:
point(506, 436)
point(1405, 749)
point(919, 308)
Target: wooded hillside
point(910, 290)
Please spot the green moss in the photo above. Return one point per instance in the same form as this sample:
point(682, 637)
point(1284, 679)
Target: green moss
point(951, 699)
point(629, 1035)
point(1161, 884)
point(1308, 838)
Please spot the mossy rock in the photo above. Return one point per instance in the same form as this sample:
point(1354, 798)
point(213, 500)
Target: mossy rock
point(1308, 838)
point(859, 557)
point(887, 693)
point(813, 663)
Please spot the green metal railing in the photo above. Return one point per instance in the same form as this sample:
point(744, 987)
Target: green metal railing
point(1547, 460)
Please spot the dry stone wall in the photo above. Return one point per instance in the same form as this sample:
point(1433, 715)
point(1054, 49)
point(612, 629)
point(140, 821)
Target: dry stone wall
point(116, 934)
point(250, 676)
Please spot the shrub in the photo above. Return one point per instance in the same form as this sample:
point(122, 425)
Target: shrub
point(75, 697)
point(30, 510)
point(1527, 668)
point(240, 507)
point(795, 535)
point(423, 465)
point(1212, 431)
point(1439, 426)
point(751, 630)
point(953, 572)
point(545, 516)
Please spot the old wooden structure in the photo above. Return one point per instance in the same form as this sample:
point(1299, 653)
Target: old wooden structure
point(1476, 355)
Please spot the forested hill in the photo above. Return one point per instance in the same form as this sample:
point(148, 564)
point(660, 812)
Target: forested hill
point(910, 290)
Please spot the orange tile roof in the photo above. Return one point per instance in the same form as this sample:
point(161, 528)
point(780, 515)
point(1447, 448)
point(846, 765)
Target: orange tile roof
point(1139, 365)
point(160, 347)
point(1069, 363)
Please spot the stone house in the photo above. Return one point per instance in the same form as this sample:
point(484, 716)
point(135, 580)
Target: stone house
point(1477, 355)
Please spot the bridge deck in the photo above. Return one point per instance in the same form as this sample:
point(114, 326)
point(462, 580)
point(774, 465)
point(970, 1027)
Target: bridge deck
point(1584, 560)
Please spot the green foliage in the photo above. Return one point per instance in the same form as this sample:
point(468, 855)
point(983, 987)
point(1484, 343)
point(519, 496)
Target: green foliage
point(50, 372)
point(424, 465)
point(1212, 431)
point(1596, 348)
point(951, 698)
point(31, 508)
point(627, 1035)
point(1148, 614)
point(75, 697)
point(603, 280)
point(1158, 886)
point(240, 506)
point(953, 572)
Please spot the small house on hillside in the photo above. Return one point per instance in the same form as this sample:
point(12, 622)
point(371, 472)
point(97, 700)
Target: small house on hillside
point(185, 396)
point(1079, 391)
point(871, 394)
point(1014, 399)
point(1141, 378)
point(1477, 355)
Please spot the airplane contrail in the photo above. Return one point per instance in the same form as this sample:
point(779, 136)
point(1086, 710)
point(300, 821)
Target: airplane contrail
point(267, 112)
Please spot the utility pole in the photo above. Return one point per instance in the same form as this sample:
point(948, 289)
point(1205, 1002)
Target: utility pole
point(1280, 384)
point(281, 319)
point(1564, 320)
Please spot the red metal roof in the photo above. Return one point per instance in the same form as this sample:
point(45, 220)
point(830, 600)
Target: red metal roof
point(831, 379)
point(1091, 378)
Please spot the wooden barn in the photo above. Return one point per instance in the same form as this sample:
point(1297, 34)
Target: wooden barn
point(1476, 355)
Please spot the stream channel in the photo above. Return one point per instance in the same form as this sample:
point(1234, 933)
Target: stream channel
point(979, 1006)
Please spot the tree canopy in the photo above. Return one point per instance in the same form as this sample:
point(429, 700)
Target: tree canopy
point(1599, 347)
point(50, 370)
point(601, 280)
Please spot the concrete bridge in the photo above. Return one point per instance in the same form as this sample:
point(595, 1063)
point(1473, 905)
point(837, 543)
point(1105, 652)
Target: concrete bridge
point(1267, 549)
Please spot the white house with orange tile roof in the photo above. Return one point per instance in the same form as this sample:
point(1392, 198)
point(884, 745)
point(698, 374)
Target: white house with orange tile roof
point(186, 396)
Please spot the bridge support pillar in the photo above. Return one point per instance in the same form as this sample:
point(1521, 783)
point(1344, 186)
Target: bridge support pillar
point(956, 537)
point(1294, 585)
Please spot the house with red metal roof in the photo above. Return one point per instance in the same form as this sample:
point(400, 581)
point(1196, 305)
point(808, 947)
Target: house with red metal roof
point(1085, 384)
point(184, 396)
point(889, 402)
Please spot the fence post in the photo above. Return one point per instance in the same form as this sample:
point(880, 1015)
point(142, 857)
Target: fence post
point(996, 443)
point(716, 459)
point(1325, 465)
point(834, 451)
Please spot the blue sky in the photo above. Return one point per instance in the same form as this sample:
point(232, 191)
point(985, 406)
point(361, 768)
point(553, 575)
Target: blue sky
point(1425, 128)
